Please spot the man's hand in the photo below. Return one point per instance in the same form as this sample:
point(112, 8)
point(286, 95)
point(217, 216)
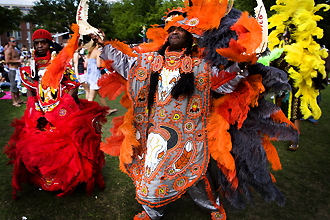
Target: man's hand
point(97, 38)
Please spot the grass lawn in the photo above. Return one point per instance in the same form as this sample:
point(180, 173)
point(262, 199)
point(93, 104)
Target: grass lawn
point(304, 180)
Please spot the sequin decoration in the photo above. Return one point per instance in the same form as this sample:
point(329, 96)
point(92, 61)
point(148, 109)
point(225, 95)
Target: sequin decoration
point(139, 118)
point(217, 216)
point(196, 169)
point(196, 61)
point(135, 171)
point(192, 22)
point(162, 113)
point(149, 58)
point(141, 98)
point(176, 116)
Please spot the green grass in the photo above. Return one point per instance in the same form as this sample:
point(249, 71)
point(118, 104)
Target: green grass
point(304, 180)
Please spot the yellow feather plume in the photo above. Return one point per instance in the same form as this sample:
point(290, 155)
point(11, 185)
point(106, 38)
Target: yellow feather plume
point(295, 26)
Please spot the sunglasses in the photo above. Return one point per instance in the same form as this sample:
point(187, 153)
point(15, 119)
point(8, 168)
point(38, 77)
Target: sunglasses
point(13, 41)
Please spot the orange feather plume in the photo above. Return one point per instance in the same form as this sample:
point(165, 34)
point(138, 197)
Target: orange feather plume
point(249, 32)
point(54, 71)
point(112, 144)
point(129, 142)
point(209, 13)
point(157, 36)
point(249, 38)
point(235, 106)
point(124, 48)
point(111, 85)
point(220, 141)
point(279, 117)
point(271, 152)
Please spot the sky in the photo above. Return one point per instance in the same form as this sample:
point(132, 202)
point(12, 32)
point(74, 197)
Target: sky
point(21, 2)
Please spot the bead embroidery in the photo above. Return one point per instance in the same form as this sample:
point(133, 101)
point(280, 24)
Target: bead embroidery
point(161, 191)
point(180, 183)
point(186, 64)
point(195, 106)
point(141, 74)
point(62, 112)
point(158, 63)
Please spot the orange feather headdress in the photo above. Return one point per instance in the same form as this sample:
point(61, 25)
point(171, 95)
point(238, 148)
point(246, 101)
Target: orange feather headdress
point(196, 17)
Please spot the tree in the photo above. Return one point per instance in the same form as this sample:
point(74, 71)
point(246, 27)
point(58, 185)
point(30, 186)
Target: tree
point(130, 15)
point(11, 19)
point(58, 15)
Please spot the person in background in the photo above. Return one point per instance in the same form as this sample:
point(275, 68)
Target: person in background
point(13, 61)
point(93, 63)
point(79, 66)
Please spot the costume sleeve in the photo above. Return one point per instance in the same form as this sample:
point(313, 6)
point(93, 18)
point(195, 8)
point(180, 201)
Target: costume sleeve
point(122, 63)
point(70, 79)
point(228, 79)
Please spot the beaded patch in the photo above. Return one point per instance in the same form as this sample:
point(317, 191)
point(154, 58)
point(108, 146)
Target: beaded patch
point(62, 112)
point(161, 191)
point(141, 74)
point(180, 183)
point(201, 82)
point(186, 64)
point(195, 106)
point(158, 63)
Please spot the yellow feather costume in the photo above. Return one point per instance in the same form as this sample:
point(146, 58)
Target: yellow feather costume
point(297, 18)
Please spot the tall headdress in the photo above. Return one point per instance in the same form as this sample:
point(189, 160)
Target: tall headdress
point(196, 17)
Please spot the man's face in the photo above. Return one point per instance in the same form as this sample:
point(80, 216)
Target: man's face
point(12, 42)
point(178, 38)
point(41, 46)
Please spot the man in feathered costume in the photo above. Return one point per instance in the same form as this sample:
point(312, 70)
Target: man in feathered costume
point(56, 144)
point(294, 34)
point(197, 119)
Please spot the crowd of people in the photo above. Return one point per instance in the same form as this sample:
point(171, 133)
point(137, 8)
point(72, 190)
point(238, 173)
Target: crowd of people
point(13, 58)
point(197, 120)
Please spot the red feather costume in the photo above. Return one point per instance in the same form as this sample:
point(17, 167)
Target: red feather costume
point(56, 144)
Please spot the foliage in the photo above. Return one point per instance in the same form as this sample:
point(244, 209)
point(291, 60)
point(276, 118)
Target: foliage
point(130, 15)
point(58, 15)
point(10, 19)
